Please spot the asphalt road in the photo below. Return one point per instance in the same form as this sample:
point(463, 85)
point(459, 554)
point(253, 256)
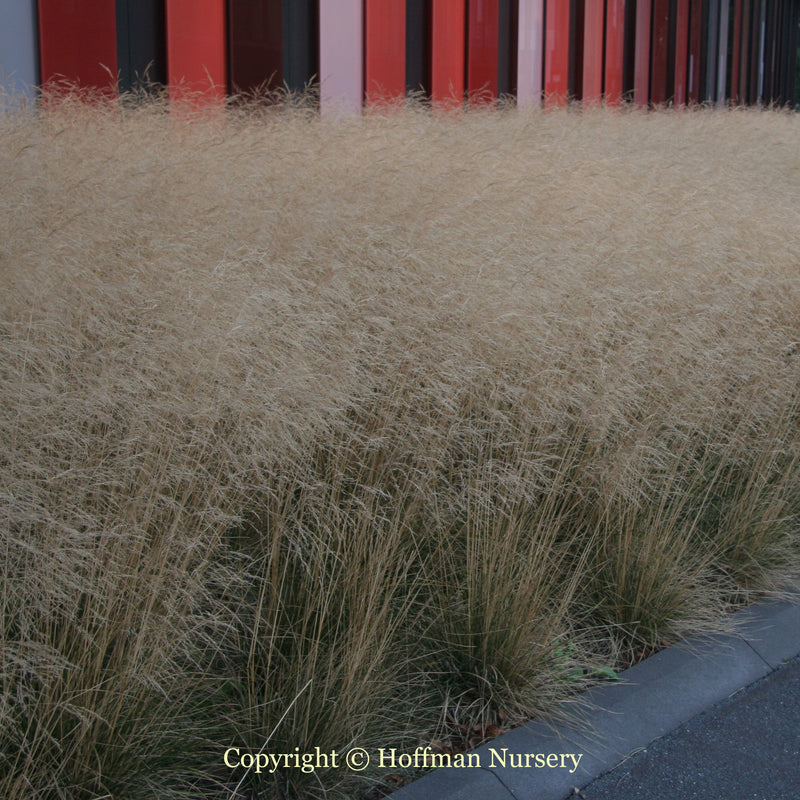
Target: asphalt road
point(745, 748)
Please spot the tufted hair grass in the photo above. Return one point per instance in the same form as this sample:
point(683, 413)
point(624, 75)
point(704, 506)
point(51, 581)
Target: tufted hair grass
point(376, 431)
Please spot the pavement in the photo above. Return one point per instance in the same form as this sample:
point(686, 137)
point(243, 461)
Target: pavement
point(712, 717)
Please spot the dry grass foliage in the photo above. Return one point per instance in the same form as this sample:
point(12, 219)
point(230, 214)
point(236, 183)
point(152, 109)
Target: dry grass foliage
point(367, 431)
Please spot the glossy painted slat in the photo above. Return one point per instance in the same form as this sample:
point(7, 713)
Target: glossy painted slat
point(784, 36)
point(384, 50)
point(695, 51)
point(792, 44)
point(141, 44)
point(340, 56)
point(78, 42)
point(255, 44)
point(711, 45)
point(448, 24)
point(775, 47)
point(760, 50)
point(615, 51)
point(300, 43)
point(681, 52)
point(196, 50)
point(483, 32)
point(769, 58)
point(556, 53)
point(530, 49)
point(418, 36)
point(769, 54)
point(593, 53)
point(780, 48)
point(736, 50)
point(722, 50)
point(659, 55)
point(641, 78)
point(19, 68)
point(507, 47)
point(744, 58)
point(793, 34)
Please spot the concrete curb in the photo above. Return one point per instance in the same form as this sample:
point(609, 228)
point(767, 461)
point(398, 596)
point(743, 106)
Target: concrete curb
point(650, 700)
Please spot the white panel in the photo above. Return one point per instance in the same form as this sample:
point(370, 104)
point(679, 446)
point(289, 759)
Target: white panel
point(341, 44)
point(529, 55)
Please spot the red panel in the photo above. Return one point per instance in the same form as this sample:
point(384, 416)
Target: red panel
point(681, 51)
point(78, 42)
point(593, 53)
point(556, 53)
point(658, 78)
point(641, 68)
point(695, 45)
point(448, 23)
point(615, 50)
point(196, 49)
point(736, 48)
point(385, 50)
point(484, 37)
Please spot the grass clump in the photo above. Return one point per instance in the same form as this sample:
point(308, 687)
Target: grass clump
point(374, 433)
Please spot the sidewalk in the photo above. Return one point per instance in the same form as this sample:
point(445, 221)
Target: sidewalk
point(716, 716)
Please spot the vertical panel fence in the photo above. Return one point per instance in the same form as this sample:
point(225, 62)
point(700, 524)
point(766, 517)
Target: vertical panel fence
point(543, 52)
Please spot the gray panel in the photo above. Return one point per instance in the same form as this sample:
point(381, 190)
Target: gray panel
point(19, 58)
point(300, 43)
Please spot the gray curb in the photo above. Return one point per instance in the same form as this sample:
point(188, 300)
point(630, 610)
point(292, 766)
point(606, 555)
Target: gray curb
point(650, 699)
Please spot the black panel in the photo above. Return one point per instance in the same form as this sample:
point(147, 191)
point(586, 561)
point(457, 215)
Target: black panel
point(785, 95)
point(672, 37)
point(743, 53)
point(773, 52)
point(755, 15)
point(790, 53)
point(794, 56)
point(767, 59)
point(711, 44)
point(418, 45)
point(141, 44)
point(507, 47)
point(629, 59)
point(255, 46)
point(575, 79)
